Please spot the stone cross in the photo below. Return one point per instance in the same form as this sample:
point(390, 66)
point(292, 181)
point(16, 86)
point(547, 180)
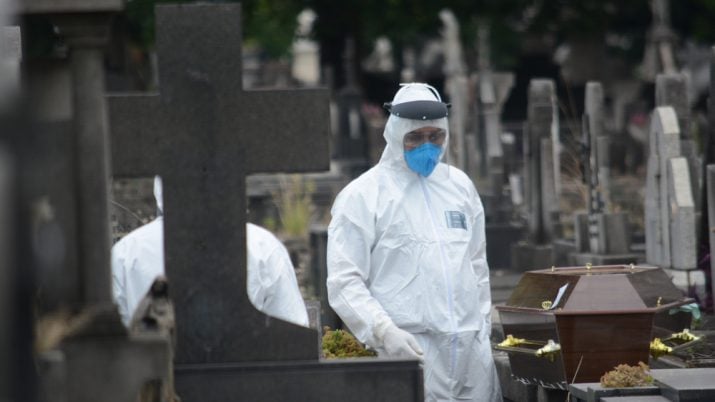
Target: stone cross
point(669, 205)
point(203, 134)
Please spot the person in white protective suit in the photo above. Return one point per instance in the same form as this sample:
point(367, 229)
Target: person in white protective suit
point(138, 258)
point(407, 268)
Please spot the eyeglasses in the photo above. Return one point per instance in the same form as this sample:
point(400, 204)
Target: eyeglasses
point(414, 138)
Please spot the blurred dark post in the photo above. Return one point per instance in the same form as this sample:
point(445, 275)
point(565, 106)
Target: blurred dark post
point(351, 146)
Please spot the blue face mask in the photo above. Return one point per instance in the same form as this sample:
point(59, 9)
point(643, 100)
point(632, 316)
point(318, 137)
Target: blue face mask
point(424, 158)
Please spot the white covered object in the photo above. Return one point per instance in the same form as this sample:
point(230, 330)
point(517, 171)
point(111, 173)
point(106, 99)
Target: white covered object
point(138, 258)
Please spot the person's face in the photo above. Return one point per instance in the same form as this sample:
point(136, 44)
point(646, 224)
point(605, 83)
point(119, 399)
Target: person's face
point(417, 137)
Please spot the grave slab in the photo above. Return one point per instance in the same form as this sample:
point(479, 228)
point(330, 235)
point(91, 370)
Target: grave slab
point(686, 385)
point(594, 392)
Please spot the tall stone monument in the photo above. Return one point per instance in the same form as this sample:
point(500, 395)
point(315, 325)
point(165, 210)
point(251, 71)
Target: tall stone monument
point(602, 237)
point(203, 133)
point(542, 175)
point(659, 55)
point(679, 194)
point(67, 221)
point(486, 156)
point(456, 87)
point(672, 90)
point(707, 224)
point(669, 204)
point(17, 374)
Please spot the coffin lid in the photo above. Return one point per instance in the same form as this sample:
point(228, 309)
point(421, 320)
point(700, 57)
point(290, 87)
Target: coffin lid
point(597, 289)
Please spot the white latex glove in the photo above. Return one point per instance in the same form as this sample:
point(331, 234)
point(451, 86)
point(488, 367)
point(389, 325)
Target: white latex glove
point(397, 342)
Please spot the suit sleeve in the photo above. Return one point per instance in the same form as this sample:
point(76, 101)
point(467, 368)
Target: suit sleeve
point(350, 237)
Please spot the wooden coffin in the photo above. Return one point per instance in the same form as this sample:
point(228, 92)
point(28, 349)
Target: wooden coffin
point(596, 317)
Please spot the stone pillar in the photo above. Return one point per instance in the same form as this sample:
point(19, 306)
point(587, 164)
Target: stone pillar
point(86, 38)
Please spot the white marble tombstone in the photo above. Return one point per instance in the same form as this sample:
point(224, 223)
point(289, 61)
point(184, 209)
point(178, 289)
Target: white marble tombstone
point(669, 206)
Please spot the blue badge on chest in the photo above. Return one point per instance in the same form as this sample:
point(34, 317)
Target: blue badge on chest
point(455, 220)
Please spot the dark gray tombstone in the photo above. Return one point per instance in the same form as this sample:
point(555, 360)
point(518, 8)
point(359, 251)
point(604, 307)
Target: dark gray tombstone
point(18, 380)
point(542, 188)
point(203, 133)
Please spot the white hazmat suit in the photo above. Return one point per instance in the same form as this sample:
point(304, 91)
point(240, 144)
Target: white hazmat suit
point(407, 262)
point(138, 258)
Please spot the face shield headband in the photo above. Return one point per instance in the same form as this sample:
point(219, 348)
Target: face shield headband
point(419, 110)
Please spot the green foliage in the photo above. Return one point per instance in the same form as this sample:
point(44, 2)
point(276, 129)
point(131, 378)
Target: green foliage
point(140, 21)
point(340, 344)
point(267, 23)
point(625, 376)
point(270, 24)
